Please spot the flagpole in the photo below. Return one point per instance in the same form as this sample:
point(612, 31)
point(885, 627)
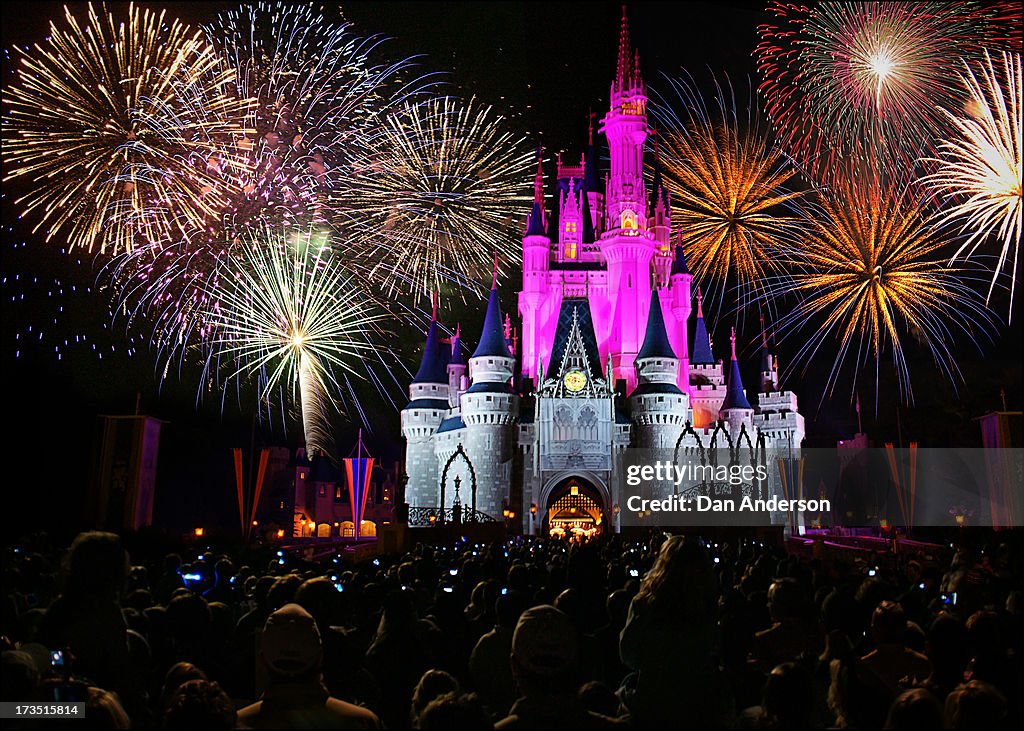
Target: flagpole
point(357, 479)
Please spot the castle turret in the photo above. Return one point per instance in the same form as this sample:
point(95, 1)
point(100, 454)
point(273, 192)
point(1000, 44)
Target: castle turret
point(428, 394)
point(626, 244)
point(625, 127)
point(707, 380)
point(536, 262)
point(489, 408)
point(660, 409)
point(736, 410)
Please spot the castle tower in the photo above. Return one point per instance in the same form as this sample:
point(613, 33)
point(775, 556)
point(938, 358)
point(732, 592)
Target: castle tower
point(707, 381)
point(428, 403)
point(536, 262)
point(626, 244)
point(489, 408)
point(660, 409)
point(736, 410)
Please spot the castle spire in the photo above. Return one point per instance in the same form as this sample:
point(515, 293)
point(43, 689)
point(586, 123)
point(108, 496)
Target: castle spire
point(535, 224)
point(538, 179)
point(735, 395)
point(702, 354)
point(434, 363)
point(492, 339)
point(627, 73)
point(656, 344)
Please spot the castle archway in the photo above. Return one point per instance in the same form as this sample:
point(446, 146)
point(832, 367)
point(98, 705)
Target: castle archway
point(574, 508)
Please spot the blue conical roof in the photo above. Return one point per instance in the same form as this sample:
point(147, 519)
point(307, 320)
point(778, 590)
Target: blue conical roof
point(735, 395)
point(702, 354)
point(434, 366)
point(679, 262)
point(456, 356)
point(492, 339)
point(535, 226)
point(656, 344)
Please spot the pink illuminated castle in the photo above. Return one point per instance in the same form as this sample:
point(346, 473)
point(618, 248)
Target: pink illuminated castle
point(536, 426)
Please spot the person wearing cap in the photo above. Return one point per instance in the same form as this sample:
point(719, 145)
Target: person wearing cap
point(295, 697)
point(545, 667)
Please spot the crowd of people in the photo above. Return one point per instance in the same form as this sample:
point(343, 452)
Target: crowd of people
point(663, 632)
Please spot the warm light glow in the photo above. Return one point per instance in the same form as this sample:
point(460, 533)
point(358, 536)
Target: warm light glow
point(280, 533)
point(881, 64)
point(199, 532)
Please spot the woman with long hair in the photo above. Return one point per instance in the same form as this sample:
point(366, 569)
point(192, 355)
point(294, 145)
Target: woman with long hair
point(670, 641)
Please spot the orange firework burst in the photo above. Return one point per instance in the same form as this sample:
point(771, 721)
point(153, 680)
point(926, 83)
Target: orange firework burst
point(728, 187)
point(869, 273)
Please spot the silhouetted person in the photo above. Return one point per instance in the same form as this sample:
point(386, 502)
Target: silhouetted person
point(456, 712)
point(915, 710)
point(200, 704)
point(544, 660)
point(295, 697)
point(670, 640)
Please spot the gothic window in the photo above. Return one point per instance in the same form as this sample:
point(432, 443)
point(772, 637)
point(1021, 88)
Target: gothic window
point(588, 424)
point(628, 219)
point(570, 227)
point(570, 249)
point(563, 423)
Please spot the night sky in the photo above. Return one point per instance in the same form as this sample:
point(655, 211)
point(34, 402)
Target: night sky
point(547, 63)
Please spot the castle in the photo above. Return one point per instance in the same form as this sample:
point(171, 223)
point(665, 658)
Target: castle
point(534, 429)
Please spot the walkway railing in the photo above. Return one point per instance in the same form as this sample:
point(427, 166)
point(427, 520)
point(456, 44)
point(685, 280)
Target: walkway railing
point(427, 516)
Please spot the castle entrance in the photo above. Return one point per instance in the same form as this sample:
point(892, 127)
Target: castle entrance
point(574, 511)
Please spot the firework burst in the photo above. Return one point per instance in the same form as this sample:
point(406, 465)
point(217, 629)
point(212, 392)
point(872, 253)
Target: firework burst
point(317, 92)
point(979, 166)
point(314, 91)
point(857, 83)
point(74, 131)
point(286, 311)
point(435, 196)
point(728, 185)
point(869, 273)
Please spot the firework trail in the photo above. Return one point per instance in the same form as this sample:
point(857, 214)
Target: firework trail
point(869, 273)
point(728, 188)
point(288, 312)
point(73, 133)
point(436, 195)
point(979, 167)
point(857, 84)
